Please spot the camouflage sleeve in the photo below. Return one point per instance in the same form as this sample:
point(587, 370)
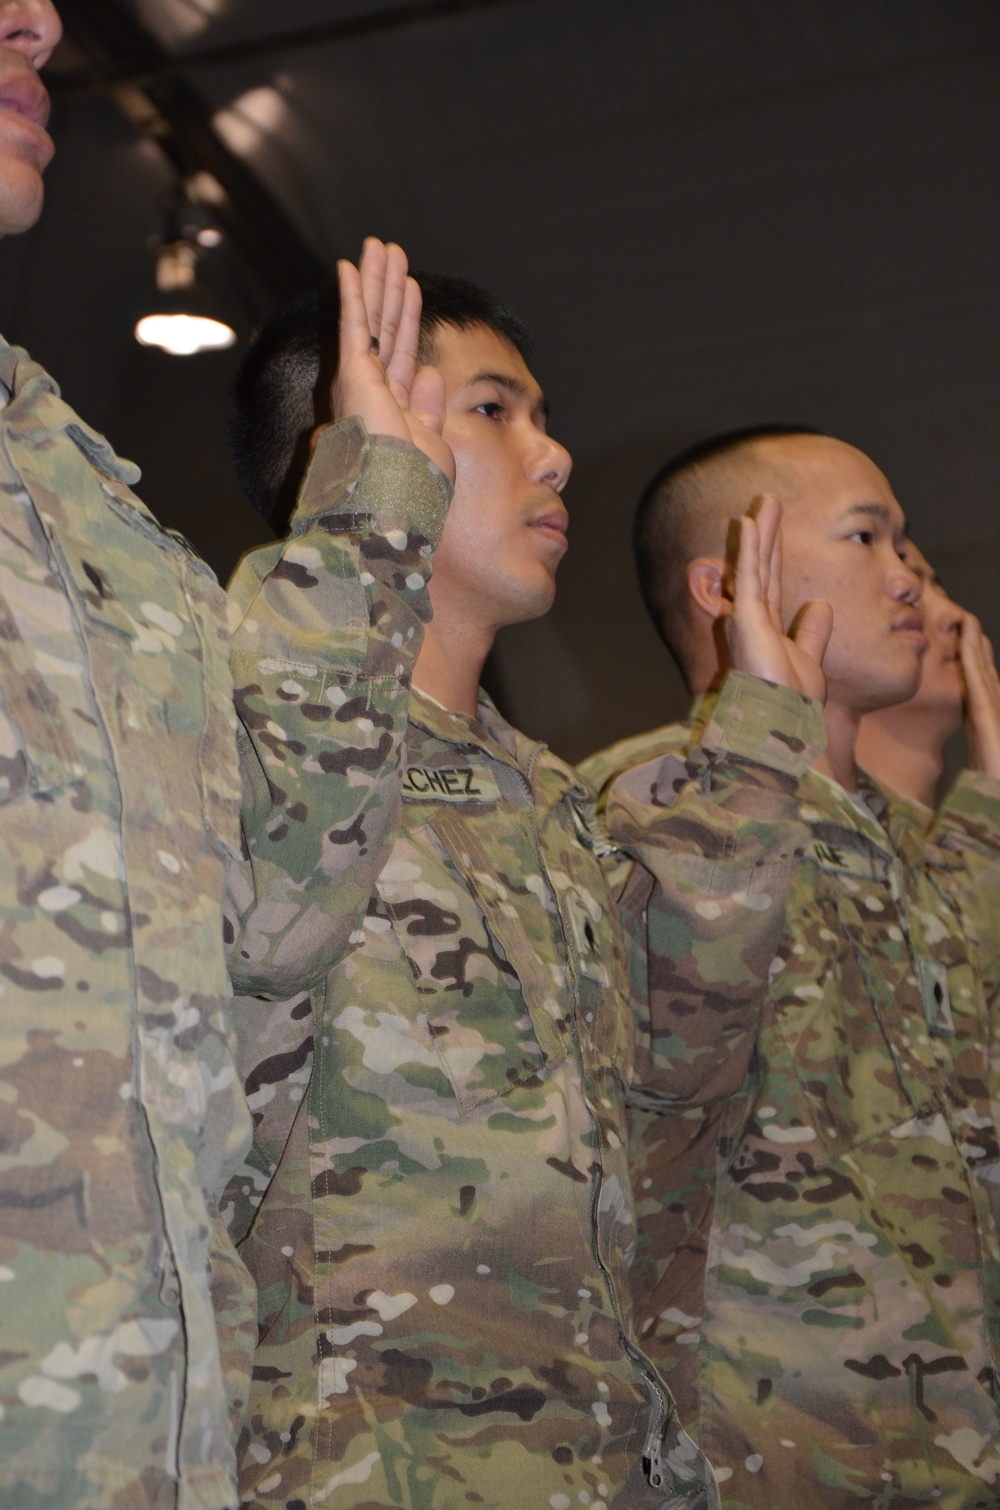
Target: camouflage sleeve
point(718, 840)
point(325, 629)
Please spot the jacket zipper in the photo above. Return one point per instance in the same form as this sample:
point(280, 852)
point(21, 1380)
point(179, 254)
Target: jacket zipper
point(659, 1414)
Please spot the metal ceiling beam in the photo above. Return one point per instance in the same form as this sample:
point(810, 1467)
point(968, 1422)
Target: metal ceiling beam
point(149, 87)
point(120, 66)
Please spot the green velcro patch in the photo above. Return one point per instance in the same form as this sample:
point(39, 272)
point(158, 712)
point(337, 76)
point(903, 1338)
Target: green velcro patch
point(449, 783)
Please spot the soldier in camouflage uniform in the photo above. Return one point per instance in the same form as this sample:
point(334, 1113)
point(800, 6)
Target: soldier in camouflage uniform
point(119, 802)
point(903, 748)
point(438, 1204)
point(817, 1269)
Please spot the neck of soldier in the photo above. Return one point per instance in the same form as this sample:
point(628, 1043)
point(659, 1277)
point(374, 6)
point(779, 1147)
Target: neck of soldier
point(838, 760)
point(451, 659)
point(904, 751)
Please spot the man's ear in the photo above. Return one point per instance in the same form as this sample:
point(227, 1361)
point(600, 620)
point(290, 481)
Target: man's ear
point(706, 585)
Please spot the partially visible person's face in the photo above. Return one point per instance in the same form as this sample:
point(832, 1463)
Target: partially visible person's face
point(29, 30)
point(941, 687)
point(505, 533)
point(843, 536)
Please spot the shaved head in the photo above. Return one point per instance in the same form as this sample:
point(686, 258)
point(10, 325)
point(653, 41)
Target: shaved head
point(686, 510)
point(843, 543)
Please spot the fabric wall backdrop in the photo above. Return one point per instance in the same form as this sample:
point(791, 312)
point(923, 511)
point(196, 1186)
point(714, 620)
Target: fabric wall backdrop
point(712, 213)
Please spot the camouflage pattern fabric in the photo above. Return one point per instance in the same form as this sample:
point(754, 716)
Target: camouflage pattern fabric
point(438, 1193)
point(817, 1265)
point(120, 1110)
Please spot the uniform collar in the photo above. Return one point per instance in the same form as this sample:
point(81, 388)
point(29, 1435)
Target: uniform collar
point(824, 801)
point(491, 734)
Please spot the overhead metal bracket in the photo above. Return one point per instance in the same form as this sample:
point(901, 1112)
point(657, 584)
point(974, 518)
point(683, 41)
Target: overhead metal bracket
point(148, 86)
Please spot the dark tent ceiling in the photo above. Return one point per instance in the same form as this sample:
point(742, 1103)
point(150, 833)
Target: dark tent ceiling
point(712, 213)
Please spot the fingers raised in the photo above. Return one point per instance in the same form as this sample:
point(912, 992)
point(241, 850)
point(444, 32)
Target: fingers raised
point(372, 266)
point(766, 510)
point(402, 363)
point(393, 300)
point(355, 334)
point(748, 587)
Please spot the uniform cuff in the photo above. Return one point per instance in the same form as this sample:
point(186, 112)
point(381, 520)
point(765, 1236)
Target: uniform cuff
point(381, 481)
point(765, 723)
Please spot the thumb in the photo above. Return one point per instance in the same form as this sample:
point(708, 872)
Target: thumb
point(427, 398)
point(812, 629)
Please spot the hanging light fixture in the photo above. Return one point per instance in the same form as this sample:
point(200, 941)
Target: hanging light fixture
point(183, 319)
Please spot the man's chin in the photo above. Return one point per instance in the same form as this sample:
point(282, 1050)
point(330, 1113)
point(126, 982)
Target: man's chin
point(530, 604)
point(889, 692)
point(22, 195)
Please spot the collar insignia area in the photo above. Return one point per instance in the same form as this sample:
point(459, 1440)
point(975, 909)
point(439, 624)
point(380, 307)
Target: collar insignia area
point(449, 783)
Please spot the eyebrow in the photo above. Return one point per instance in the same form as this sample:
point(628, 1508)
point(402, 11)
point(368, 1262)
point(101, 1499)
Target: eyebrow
point(509, 384)
point(878, 511)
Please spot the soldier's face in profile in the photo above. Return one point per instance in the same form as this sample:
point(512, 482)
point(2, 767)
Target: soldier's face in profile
point(941, 688)
point(29, 30)
point(843, 540)
point(506, 529)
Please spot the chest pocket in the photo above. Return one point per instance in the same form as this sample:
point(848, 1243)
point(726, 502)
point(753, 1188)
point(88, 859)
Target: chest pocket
point(152, 621)
point(856, 1010)
point(166, 612)
point(832, 999)
point(489, 997)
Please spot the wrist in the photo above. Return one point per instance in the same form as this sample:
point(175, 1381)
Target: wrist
point(372, 482)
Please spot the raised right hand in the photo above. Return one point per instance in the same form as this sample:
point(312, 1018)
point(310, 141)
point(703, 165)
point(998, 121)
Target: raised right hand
point(757, 642)
point(982, 697)
point(377, 374)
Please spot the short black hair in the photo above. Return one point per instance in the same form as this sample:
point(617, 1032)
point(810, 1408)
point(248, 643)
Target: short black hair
point(664, 531)
point(282, 387)
point(449, 300)
point(281, 392)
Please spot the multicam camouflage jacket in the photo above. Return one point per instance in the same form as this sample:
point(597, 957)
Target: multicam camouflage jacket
point(817, 1265)
point(443, 1218)
point(119, 1105)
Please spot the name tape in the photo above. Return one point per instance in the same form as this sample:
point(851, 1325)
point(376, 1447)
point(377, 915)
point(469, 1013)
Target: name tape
point(449, 783)
point(840, 860)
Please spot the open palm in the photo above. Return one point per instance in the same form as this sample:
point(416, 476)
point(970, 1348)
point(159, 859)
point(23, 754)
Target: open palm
point(758, 643)
point(377, 375)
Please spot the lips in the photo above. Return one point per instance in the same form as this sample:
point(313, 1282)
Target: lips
point(23, 98)
point(23, 94)
point(913, 627)
point(553, 524)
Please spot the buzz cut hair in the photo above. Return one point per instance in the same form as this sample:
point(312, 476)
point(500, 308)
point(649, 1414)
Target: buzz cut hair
point(281, 392)
point(683, 513)
point(449, 300)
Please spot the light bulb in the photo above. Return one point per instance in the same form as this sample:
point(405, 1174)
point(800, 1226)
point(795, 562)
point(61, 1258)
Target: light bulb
point(184, 335)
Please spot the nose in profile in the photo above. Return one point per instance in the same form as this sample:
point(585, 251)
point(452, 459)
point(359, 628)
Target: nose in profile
point(946, 614)
point(31, 28)
point(905, 585)
point(551, 464)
